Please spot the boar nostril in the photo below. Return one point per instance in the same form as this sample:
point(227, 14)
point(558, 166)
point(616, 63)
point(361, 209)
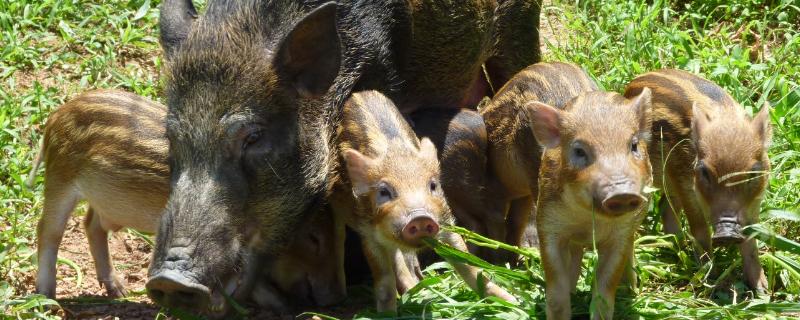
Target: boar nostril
point(172, 289)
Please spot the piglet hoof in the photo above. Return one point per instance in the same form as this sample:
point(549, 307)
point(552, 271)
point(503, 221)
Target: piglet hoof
point(114, 288)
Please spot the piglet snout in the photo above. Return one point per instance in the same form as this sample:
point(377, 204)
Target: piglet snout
point(727, 231)
point(419, 226)
point(622, 202)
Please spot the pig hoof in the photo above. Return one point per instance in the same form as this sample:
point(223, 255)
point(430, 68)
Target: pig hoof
point(114, 288)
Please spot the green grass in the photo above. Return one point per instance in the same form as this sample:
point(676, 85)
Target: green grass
point(51, 50)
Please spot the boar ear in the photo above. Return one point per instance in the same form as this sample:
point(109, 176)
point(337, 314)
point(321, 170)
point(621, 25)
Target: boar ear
point(358, 167)
point(699, 121)
point(762, 126)
point(546, 123)
point(308, 59)
point(175, 21)
point(427, 149)
point(644, 104)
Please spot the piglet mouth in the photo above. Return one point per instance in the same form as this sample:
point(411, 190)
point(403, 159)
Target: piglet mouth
point(727, 232)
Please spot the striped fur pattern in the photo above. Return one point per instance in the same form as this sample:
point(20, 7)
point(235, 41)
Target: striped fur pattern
point(595, 155)
point(386, 178)
point(710, 159)
point(513, 153)
point(107, 147)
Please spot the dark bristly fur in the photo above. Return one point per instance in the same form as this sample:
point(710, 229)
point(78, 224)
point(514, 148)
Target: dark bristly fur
point(721, 140)
point(249, 126)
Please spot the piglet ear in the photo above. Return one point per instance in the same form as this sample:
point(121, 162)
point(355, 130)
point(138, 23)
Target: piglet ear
point(308, 59)
point(546, 123)
point(427, 149)
point(761, 125)
point(700, 121)
point(644, 104)
point(358, 170)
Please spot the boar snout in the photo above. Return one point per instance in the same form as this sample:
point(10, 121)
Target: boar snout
point(727, 232)
point(171, 288)
point(419, 226)
point(619, 197)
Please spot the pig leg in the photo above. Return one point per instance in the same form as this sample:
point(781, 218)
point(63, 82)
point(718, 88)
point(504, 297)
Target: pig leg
point(576, 261)
point(518, 217)
point(557, 257)
point(470, 273)
point(405, 278)
point(752, 266)
point(59, 202)
point(496, 209)
point(697, 221)
point(613, 258)
point(98, 246)
point(531, 237)
point(382, 261)
point(669, 214)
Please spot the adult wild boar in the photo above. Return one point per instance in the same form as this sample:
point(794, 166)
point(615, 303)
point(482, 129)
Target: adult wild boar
point(248, 126)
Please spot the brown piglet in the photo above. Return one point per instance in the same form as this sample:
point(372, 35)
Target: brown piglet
point(593, 174)
point(387, 188)
point(108, 147)
point(513, 153)
point(710, 159)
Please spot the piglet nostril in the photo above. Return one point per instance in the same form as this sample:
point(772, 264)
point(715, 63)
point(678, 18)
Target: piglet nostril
point(620, 203)
point(420, 226)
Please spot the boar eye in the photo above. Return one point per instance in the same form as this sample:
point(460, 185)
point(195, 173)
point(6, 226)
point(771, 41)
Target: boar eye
point(251, 139)
point(578, 155)
point(385, 193)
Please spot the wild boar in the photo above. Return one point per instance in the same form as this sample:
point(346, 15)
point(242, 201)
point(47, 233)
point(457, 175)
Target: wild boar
point(711, 161)
point(513, 155)
point(388, 189)
point(591, 191)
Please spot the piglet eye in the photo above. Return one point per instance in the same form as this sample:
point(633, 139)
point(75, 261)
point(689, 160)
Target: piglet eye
point(434, 186)
point(703, 170)
point(578, 155)
point(385, 193)
point(635, 146)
